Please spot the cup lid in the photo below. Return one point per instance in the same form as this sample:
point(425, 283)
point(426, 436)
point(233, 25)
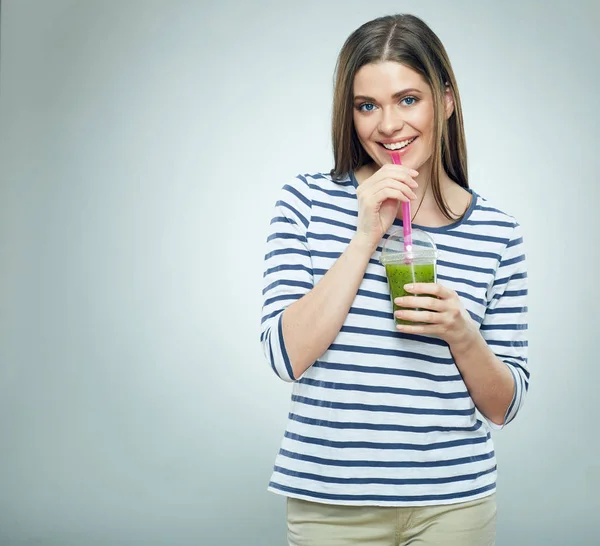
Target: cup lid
point(422, 249)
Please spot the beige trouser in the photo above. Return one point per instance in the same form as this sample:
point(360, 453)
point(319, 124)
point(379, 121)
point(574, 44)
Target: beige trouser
point(471, 523)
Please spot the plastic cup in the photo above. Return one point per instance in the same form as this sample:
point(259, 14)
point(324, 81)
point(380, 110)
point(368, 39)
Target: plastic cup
point(416, 263)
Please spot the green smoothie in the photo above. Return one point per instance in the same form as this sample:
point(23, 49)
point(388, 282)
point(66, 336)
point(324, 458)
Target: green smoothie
point(400, 274)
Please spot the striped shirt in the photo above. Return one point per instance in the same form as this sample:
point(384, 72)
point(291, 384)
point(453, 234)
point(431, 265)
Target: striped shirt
point(384, 418)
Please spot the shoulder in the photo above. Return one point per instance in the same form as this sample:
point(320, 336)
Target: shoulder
point(315, 186)
point(325, 181)
point(487, 222)
point(486, 212)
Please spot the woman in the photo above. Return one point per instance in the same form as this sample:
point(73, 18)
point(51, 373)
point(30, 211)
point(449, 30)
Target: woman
point(383, 444)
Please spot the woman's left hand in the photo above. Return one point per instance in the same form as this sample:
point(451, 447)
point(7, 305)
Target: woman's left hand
point(440, 309)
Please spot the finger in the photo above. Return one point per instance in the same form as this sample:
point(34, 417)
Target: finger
point(427, 317)
point(430, 288)
point(422, 329)
point(404, 190)
point(390, 193)
point(391, 183)
point(421, 302)
point(392, 168)
point(404, 178)
point(403, 174)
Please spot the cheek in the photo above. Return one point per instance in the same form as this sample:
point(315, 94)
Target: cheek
point(422, 120)
point(424, 124)
point(358, 127)
point(364, 126)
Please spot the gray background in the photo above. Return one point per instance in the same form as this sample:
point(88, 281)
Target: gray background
point(142, 146)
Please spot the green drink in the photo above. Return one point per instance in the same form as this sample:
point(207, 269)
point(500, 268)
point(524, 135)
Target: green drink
point(400, 274)
point(408, 264)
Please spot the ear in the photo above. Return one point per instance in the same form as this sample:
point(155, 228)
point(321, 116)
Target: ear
point(448, 102)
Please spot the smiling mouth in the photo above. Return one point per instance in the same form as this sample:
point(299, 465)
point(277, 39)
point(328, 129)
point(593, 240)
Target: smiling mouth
point(397, 148)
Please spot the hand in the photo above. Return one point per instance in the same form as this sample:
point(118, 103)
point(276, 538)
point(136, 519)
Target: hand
point(379, 198)
point(440, 309)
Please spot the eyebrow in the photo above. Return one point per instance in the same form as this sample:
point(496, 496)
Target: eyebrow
point(394, 96)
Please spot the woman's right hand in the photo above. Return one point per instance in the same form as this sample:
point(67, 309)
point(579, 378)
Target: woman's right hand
point(379, 198)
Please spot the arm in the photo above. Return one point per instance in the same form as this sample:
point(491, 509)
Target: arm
point(301, 320)
point(288, 274)
point(492, 359)
point(312, 323)
point(488, 379)
point(504, 330)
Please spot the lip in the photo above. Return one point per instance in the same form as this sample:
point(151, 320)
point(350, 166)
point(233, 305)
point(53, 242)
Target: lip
point(402, 150)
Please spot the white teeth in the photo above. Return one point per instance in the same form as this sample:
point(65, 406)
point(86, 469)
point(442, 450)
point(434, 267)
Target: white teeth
point(398, 145)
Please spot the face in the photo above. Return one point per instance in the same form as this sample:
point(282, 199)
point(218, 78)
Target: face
point(394, 111)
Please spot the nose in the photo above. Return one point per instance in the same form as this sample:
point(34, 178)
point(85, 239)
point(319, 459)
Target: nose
point(391, 121)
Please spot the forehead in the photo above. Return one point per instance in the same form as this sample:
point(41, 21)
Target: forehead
point(386, 78)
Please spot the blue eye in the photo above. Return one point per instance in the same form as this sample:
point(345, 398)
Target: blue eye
point(366, 107)
point(413, 99)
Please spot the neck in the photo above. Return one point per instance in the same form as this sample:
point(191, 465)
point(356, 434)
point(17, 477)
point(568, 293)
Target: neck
point(423, 192)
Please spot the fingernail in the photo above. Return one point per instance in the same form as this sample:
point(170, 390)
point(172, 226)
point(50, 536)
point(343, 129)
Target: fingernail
point(414, 173)
point(408, 287)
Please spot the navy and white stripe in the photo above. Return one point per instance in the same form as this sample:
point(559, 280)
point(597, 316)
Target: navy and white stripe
point(384, 418)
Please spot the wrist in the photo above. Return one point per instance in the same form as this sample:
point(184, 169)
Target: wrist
point(361, 244)
point(467, 341)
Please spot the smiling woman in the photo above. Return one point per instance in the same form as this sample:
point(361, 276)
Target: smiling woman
point(402, 121)
point(413, 72)
point(383, 444)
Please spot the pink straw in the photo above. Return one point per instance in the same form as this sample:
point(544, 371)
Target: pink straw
point(406, 223)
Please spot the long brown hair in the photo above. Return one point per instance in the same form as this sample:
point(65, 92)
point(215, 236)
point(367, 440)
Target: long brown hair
point(408, 40)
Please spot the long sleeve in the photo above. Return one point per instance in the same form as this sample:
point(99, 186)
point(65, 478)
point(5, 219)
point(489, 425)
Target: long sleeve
point(288, 273)
point(505, 323)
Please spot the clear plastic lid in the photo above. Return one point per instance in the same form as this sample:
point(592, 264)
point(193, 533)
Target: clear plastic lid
point(422, 250)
